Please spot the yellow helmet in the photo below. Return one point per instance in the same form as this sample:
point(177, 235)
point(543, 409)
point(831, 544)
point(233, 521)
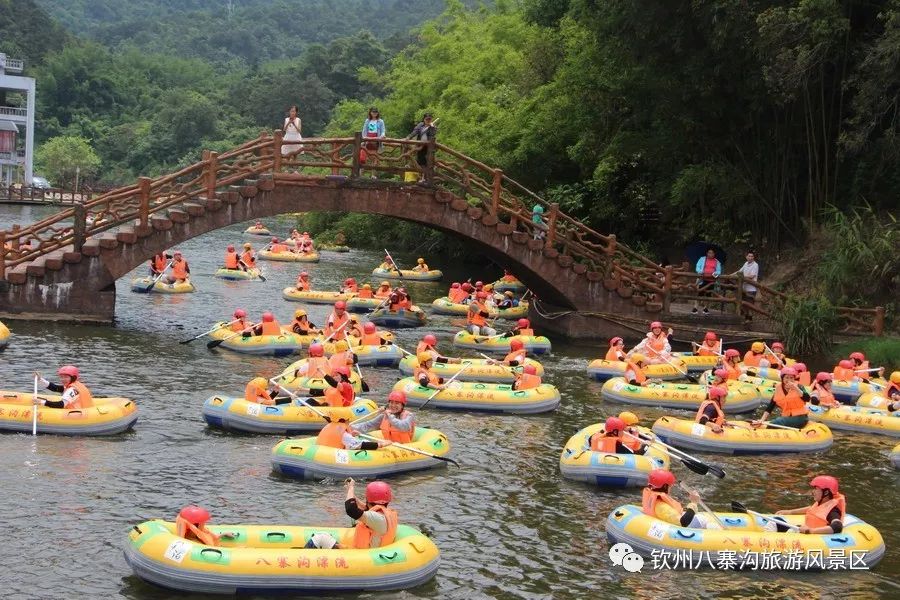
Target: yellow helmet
point(259, 382)
point(757, 347)
point(637, 357)
point(366, 286)
point(248, 246)
point(508, 294)
point(354, 319)
point(895, 377)
point(385, 284)
point(299, 313)
point(341, 346)
point(420, 260)
point(423, 357)
point(489, 287)
point(629, 417)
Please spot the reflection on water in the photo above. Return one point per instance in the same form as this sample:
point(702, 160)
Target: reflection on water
point(508, 526)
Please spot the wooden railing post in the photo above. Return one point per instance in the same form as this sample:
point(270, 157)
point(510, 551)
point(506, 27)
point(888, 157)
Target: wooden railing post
point(495, 193)
point(276, 148)
point(551, 225)
point(16, 240)
point(144, 209)
point(79, 225)
point(610, 251)
point(212, 168)
point(879, 321)
point(2, 255)
point(357, 147)
point(429, 162)
point(667, 287)
point(739, 294)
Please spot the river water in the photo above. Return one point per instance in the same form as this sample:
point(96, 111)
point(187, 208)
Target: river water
point(507, 524)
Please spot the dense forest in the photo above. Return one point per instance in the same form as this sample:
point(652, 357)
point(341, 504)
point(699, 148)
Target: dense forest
point(752, 123)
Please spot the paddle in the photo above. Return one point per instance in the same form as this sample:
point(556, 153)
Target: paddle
point(775, 356)
point(34, 408)
point(216, 343)
point(703, 505)
point(692, 463)
point(362, 382)
point(696, 345)
point(258, 270)
point(689, 377)
point(411, 449)
point(496, 362)
point(332, 334)
point(770, 424)
point(393, 262)
point(297, 397)
point(216, 328)
point(449, 381)
point(154, 281)
point(738, 507)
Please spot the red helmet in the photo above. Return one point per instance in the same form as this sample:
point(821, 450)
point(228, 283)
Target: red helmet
point(230, 248)
point(717, 392)
point(349, 281)
point(825, 482)
point(654, 325)
point(274, 240)
point(721, 373)
point(516, 344)
point(789, 371)
point(304, 274)
point(369, 328)
point(800, 367)
point(858, 356)
point(846, 364)
point(481, 295)
point(397, 396)
point(268, 317)
point(616, 340)
point(454, 285)
point(659, 478)
point(523, 323)
point(614, 424)
point(340, 305)
point(430, 339)
point(317, 350)
point(70, 370)
point(343, 370)
point(467, 287)
point(822, 376)
point(196, 515)
point(530, 369)
point(777, 346)
point(378, 492)
point(731, 352)
point(240, 313)
point(710, 336)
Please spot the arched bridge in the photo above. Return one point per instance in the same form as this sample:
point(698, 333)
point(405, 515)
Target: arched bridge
point(65, 266)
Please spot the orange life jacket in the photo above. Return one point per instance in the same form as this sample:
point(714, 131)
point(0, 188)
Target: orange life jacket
point(804, 378)
point(791, 403)
point(179, 269)
point(254, 394)
point(515, 355)
point(825, 397)
point(301, 326)
point(248, 258)
point(650, 498)
point(303, 285)
point(231, 260)
point(706, 350)
point(601, 442)
point(239, 326)
point(350, 289)
point(474, 317)
point(639, 375)
point(843, 374)
point(332, 435)
point(658, 342)
point(457, 295)
point(817, 514)
point(84, 399)
point(404, 303)
point(333, 396)
point(363, 535)
point(317, 366)
point(395, 435)
point(271, 328)
point(527, 381)
point(615, 354)
point(334, 321)
point(432, 378)
point(720, 416)
point(751, 359)
point(370, 339)
point(189, 531)
point(526, 331)
point(423, 347)
point(159, 262)
point(383, 292)
point(278, 248)
point(364, 293)
point(340, 359)
point(733, 370)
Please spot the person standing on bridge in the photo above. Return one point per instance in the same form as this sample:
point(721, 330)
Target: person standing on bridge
point(425, 131)
point(750, 271)
point(291, 129)
point(373, 128)
point(709, 268)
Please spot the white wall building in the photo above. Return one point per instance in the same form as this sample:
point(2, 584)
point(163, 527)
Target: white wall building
point(16, 154)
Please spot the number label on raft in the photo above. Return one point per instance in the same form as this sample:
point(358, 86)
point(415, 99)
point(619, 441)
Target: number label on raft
point(876, 402)
point(177, 550)
point(657, 531)
point(617, 386)
point(698, 429)
point(253, 409)
point(341, 457)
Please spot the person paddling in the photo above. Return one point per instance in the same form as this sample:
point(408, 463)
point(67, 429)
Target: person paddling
point(74, 393)
point(526, 379)
point(616, 350)
point(337, 434)
point(395, 422)
point(656, 502)
point(423, 375)
point(240, 322)
point(710, 345)
point(825, 516)
point(158, 263)
point(612, 440)
point(248, 257)
point(656, 343)
point(180, 269)
point(710, 412)
point(376, 524)
point(477, 316)
point(303, 282)
point(350, 286)
point(232, 260)
point(301, 325)
point(338, 321)
point(421, 267)
point(732, 363)
point(755, 354)
point(268, 326)
point(821, 392)
point(190, 524)
point(791, 401)
point(515, 357)
point(384, 290)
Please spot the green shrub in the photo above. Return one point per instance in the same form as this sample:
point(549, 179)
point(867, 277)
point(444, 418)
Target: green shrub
point(807, 324)
point(880, 352)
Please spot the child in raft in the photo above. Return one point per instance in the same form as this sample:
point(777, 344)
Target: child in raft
point(656, 502)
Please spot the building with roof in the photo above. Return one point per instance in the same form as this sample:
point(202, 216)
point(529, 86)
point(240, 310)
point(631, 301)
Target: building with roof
point(16, 122)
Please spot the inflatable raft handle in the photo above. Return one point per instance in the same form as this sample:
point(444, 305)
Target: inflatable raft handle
point(138, 529)
point(389, 557)
point(277, 534)
point(363, 452)
point(840, 540)
point(687, 537)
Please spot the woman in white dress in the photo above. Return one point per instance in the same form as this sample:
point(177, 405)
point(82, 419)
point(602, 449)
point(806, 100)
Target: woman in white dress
point(291, 131)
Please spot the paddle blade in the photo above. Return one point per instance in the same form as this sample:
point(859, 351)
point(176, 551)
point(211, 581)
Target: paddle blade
point(696, 467)
point(261, 277)
point(214, 344)
point(449, 460)
point(738, 507)
point(364, 385)
point(187, 341)
point(717, 471)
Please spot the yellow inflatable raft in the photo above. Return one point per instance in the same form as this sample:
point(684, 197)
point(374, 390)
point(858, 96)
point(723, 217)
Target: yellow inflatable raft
point(237, 414)
point(895, 456)
point(857, 418)
point(304, 459)
point(260, 345)
point(266, 559)
point(606, 469)
point(492, 397)
point(859, 545)
point(237, 274)
point(443, 306)
point(873, 400)
point(738, 437)
point(408, 274)
point(601, 369)
point(108, 416)
point(306, 384)
point(364, 305)
point(313, 296)
point(307, 257)
point(4, 336)
point(695, 363)
point(160, 287)
point(509, 284)
point(850, 391)
point(258, 231)
point(741, 397)
point(534, 344)
point(477, 369)
point(397, 319)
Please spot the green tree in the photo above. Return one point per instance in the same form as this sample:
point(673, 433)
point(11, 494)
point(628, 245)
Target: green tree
point(62, 157)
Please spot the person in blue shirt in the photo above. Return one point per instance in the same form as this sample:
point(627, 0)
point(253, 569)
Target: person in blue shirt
point(373, 128)
point(708, 268)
